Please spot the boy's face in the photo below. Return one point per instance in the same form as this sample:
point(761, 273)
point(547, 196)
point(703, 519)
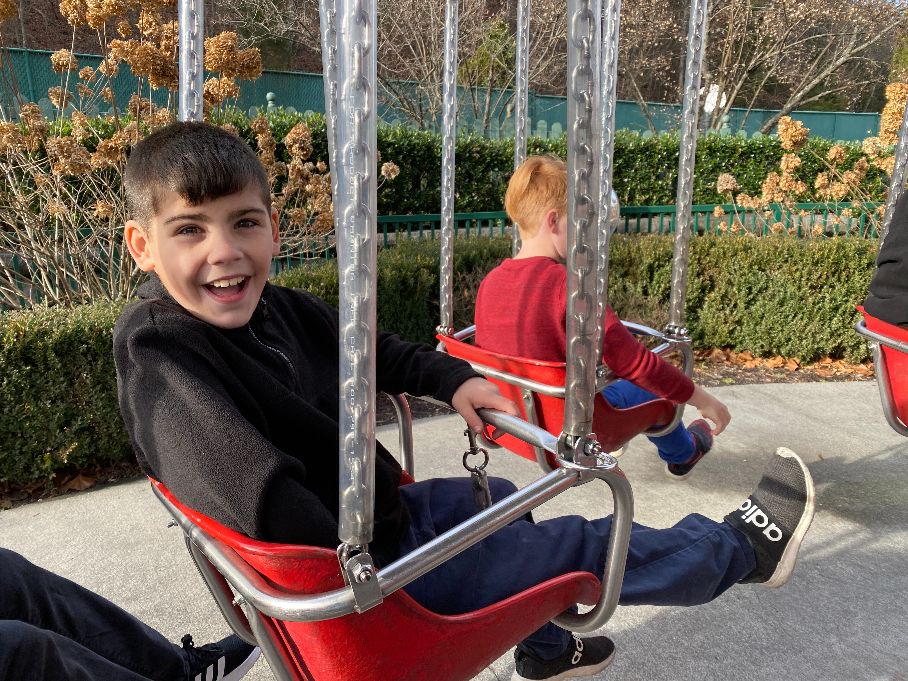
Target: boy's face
point(213, 258)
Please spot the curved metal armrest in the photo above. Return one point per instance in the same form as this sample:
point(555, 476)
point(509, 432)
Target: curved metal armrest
point(882, 373)
point(622, 518)
point(404, 430)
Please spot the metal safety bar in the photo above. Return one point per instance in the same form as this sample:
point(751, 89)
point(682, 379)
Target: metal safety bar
point(404, 431)
point(604, 375)
point(897, 178)
point(263, 598)
point(882, 373)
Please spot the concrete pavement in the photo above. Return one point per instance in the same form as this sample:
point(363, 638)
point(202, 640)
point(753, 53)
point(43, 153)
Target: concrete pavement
point(841, 618)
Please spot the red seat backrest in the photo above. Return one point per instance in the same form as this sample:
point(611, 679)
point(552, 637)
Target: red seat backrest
point(398, 639)
point(896, 362)
point(613, 427)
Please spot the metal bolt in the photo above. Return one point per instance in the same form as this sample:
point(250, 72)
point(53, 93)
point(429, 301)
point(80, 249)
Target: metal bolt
point(239, 600)
point(362, 574)
point(171, 523)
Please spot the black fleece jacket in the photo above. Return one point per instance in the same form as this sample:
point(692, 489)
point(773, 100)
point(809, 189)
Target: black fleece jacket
point(242, 424)
point(888, 298)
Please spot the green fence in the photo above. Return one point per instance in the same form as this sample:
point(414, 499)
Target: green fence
point(29, 72)
point(800, 219)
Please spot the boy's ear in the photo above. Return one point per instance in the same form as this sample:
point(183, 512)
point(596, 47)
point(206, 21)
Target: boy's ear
point(275, 233)
point(552, 217)
point(137, 241)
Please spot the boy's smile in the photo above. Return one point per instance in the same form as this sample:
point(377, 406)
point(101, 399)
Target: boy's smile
point(213, 258)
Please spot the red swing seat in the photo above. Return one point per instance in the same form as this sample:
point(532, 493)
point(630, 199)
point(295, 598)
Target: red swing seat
point(892, 369)
point(398, 639)
point(613, 426)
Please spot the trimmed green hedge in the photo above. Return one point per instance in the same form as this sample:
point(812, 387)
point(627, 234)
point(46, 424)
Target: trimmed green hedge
point(58, 405)
point(645, 174)
point(58, 393)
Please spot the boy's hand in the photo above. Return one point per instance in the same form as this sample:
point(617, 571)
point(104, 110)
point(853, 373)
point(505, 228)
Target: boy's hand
point(478, 393)
point(710, 408)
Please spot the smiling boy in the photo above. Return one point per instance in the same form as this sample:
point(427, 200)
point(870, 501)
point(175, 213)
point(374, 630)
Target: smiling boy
point(228, 386)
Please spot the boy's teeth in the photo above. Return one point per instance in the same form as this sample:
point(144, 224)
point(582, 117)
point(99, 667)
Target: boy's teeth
point(224, 283)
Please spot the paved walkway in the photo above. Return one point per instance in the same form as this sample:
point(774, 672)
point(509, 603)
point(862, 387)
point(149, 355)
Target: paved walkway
point(842, 618)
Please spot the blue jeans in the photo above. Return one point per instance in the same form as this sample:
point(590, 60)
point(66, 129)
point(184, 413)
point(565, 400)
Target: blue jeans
point(677, 446)
point(52, 628)
point(688, 564)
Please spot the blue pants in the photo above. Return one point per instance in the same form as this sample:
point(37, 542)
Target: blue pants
point(688, 564)
point(52, 628)
point(675, 447)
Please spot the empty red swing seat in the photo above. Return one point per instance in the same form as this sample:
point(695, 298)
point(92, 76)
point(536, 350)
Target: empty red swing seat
point(891, 360)
point(398, 639)
point(613, 427)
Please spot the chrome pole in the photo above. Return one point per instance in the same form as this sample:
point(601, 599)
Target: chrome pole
point(897, 179)
point(521, 94)
point(449, 136)
point(356, 201)
point(191, 58)
point(696, 36)
point(327, 19)
point(583, 46)
point(607, 95)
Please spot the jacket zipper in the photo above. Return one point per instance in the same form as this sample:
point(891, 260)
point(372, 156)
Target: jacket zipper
point(273, 349)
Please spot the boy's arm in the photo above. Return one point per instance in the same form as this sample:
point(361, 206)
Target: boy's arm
point(189, 433)
point(631, 360)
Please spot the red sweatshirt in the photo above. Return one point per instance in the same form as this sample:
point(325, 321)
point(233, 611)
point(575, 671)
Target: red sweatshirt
point(521, 311)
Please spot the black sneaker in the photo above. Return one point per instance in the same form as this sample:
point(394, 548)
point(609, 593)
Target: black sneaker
point(227, 660)
point(775, 518)
point(703, 442)
point(585, 657)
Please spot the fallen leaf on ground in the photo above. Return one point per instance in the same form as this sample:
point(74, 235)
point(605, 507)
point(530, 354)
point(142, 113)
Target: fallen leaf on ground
point(78, 483)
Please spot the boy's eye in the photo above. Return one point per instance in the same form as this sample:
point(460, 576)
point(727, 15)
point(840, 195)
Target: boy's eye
point(188, 229)
point(247, 223)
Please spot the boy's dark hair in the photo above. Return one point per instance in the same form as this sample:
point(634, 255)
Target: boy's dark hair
point(198, 161)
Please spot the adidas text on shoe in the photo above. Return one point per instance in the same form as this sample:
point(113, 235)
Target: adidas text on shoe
point(227, 660)
point(776, 517)
point(583, 658)
point(703, 441)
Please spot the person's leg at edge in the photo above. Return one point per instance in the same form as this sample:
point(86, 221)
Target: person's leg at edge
point(28, 652)
point(678, 446)
point(48, 601)
point(690, 563)
point(706, 558)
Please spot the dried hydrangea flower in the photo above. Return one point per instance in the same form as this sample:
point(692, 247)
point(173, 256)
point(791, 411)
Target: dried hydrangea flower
point(726, 183)
point(74, 11)
point(67, 156)
point(792, 133)
point(87, 74)
point(59, 97)
point(389, 170)
point(790, 163)
point(63, 61)
point(836, 154)
point(103, 209)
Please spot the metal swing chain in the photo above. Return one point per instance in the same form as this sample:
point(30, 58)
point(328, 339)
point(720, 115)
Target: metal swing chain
point(690, 110)
point(521, 95)
point(479, 479)
point(355, 201)
point(607, 107)
point(328, 26)
point(191, 59)
point(583, 185)
point(897, 179)
point(449, 135)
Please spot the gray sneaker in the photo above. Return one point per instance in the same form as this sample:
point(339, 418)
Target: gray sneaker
point(775, 518)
